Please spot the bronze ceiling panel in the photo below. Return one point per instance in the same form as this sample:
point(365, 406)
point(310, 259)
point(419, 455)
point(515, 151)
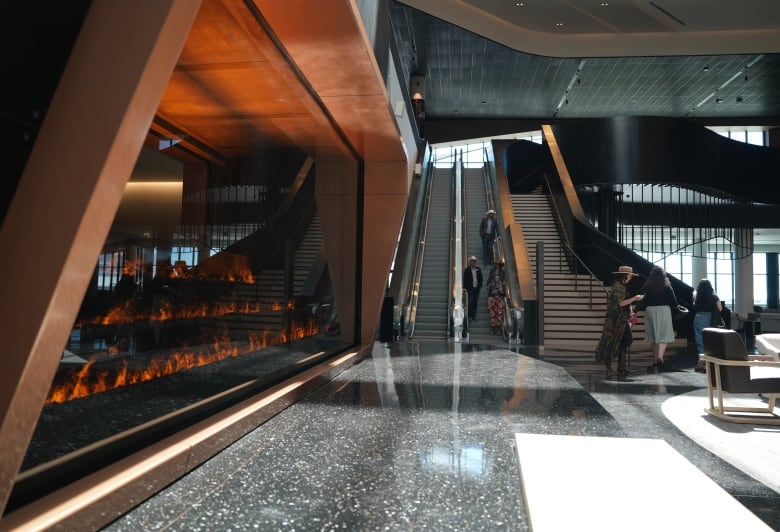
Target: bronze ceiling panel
point(224, 33)
point(229, 90)
point(233, 92)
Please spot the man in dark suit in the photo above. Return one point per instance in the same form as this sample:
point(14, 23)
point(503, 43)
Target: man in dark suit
point(472, 282)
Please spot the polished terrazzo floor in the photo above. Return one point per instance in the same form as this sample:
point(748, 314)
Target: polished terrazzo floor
point(419, 436)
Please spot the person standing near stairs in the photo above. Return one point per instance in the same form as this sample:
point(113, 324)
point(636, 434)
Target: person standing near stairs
point(616, 335)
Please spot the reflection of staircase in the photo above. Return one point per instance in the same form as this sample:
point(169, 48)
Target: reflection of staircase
point(268, 291)
point(571, 318)
point(306, 254)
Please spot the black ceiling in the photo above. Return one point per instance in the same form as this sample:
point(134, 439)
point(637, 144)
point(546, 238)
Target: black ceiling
point(471, 76)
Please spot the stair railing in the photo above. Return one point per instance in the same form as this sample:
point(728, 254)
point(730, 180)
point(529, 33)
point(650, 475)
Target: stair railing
point(569, 259)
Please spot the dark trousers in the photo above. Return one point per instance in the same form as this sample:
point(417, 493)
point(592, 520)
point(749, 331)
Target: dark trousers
point(487, 249)
point(473, 297)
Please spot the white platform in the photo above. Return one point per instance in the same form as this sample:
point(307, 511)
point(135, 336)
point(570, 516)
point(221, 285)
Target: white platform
point(618, 484)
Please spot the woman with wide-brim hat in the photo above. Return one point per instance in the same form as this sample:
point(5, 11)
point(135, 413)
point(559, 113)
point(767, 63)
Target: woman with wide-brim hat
point(616, 334)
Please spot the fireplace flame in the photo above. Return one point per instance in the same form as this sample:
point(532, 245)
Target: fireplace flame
point(126, 313)
point(88, 382)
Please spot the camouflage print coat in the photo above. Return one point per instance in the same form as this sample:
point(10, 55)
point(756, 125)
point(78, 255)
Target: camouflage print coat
point(614, 324)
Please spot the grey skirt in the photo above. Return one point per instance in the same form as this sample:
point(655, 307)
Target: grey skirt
point(658, 325)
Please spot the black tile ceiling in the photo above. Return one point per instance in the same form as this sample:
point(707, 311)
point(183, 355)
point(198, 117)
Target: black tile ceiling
point(470, 76)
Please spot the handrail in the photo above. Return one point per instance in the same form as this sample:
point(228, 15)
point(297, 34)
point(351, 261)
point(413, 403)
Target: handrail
point(456, 314)
point(576, 208)
point(601, 242)
point(577, 260)
point(464, 254)
point(498, 244)
point(414, 293)
point(403, 264)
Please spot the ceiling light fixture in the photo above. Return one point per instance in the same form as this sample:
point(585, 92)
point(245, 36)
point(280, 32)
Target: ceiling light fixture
point(565, 96)
point(742, 72)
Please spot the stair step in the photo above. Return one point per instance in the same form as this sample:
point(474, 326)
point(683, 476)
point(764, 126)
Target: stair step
point(574, 305)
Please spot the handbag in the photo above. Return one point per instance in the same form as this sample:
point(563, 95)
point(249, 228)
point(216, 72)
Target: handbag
point(679, 312)
point(717, 321)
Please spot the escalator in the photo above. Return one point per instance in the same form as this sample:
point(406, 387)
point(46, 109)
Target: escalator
point(475, 208)
point(432, 312)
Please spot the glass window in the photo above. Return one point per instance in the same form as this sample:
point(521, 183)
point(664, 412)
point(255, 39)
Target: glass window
point(739, 136)
point(443, 157)
point(756, 137)
point(474, 156)
point(719, 272)
point(184, 309)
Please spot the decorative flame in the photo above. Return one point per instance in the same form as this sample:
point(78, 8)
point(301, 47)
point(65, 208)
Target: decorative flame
point(126, 313)
point(84, 382)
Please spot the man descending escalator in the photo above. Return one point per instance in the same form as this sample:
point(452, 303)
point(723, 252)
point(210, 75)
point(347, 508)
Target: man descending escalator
point(488, 231)
point(472, 282)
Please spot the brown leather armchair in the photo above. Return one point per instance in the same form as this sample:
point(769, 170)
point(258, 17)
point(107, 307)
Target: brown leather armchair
point(731, 369)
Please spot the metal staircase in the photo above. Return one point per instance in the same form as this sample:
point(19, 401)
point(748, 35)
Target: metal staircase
point(433, 301)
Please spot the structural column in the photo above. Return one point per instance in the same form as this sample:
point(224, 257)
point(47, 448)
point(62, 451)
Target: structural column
point(743, 275)
point(69, 193)
point(772, 281)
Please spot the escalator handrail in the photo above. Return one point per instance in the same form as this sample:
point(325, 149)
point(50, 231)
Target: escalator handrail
point(456, 319)
point(414, 286)
point(498, 245)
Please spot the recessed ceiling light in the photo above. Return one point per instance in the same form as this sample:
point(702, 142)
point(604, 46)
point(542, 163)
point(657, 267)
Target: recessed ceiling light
point(706, 69)
point(559, 24)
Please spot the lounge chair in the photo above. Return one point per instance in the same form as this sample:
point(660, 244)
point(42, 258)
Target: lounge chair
point(730, 369)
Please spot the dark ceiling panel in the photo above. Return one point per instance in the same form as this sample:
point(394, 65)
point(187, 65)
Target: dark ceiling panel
point(471, 76)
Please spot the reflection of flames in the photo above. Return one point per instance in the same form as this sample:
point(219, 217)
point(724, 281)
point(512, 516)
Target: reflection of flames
point(127, 313)
point(84, 383)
